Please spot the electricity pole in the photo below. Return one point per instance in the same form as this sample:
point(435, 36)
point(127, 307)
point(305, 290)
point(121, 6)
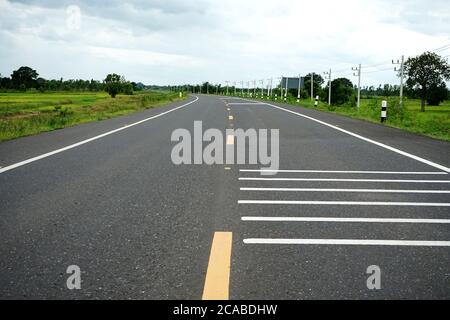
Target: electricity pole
point(299, 82)
point(312, 86)
point(242, 88)
point(358, 68)
point(328, 74)
point(402, 71)
point(262, 89)
point(286, 90)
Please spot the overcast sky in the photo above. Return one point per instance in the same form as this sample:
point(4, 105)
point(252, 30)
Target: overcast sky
point(182, 41)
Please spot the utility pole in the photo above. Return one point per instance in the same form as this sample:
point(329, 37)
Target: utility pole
point(242, 88)
point(269, 87)
point(328, 74)
point(312, 86)
point(402, 71)
point(254, 88)
point(234, 85)
point(281, 87)
point(248, 88)
point(262, 88)
point(358, 69)
point(299, 83)
point(286, 90)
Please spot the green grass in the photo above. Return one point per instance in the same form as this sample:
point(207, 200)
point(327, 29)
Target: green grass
point(435, 122)
point(23, 114)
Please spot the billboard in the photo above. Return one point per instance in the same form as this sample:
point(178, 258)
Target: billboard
point(292, 82)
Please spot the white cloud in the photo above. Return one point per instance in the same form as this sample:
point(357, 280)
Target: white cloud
point(175, 41)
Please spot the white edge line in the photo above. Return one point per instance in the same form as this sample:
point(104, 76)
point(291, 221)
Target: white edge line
point(403, 153)
point(348, 242)
point(344, 180)
point(48, 154)
point(345, 172)
point(346, 220)
point(347, 203)
point(346, 190)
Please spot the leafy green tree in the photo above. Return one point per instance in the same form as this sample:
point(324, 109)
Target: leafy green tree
point(318, 81)
point(24, 78)
point(113, 84)
point(437, 94)
point(425, 74)
point(342, 92)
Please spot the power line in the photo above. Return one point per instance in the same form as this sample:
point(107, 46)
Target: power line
point(443, 48)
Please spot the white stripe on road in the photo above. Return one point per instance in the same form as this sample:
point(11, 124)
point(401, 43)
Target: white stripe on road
point(245, 103)
point(45, 155)
point(345, 190)
point(346, 220)
point(346, 172)
point(344, 180)
point(403, 153)
point(352, 242)
point(347, 203)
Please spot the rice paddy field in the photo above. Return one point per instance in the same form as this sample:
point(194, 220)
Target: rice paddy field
point(28, 113)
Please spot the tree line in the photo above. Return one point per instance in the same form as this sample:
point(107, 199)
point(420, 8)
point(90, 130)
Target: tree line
point(425, 80)
point(26, 78)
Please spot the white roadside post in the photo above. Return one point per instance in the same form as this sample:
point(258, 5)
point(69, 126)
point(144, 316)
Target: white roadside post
point(384, 106)
point(254, 88)
point(298, 90)
point(312, 86)
point(281, 89)
point(402, 71)
point(316, 103)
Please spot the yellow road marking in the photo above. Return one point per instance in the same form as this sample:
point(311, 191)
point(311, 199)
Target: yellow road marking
point(230, 118)
point(217, 283)
point(230, 139)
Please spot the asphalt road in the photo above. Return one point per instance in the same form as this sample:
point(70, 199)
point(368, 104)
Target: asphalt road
point(140, 227)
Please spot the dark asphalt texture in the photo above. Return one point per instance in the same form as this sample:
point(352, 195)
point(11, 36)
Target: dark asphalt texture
point(140, 227)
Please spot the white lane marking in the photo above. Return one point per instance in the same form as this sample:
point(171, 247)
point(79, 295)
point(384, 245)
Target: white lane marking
point(350, 242)
point(230, 139)
point(245, 103)
point(346, 220)
point(344, 180)
point(345, 172)
point(230, 117)
point(403, 153)
point(345, 190)
point(347, 203)
point(48, 154)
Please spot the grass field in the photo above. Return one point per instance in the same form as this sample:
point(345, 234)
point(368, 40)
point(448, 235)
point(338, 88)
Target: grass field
point(435, 122)
point(23, 114)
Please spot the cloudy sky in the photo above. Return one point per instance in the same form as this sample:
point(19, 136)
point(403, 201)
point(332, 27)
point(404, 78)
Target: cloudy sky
point(182, 41)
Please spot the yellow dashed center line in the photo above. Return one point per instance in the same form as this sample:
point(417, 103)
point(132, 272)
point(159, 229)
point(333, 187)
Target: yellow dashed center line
point(230, 118)
point(217, 283)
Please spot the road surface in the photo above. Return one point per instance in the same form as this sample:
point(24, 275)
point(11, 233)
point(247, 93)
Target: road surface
point(106, 197)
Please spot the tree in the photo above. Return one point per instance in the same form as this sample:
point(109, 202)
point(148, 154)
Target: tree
point(341, 92)
point(437, 94)
point(24, 78)
point(113, 84)
point(317, 84)
point(424, 73)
